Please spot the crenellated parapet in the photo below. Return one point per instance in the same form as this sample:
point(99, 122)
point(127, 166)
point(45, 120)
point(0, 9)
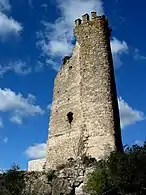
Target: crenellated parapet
point(84, 115)
point(93, 19)
point(86, 19)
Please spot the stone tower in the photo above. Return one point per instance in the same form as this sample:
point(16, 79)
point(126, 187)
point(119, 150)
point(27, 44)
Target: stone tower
point(84, 115)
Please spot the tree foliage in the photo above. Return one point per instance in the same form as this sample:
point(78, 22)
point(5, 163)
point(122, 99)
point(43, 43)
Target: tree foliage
point(12, 181)
point(121, 173)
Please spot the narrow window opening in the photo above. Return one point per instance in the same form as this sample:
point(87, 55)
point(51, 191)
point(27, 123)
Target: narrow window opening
point(70, 117)
point(70, 67)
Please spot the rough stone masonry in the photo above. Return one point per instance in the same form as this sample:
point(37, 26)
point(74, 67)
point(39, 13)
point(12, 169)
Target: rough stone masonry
point(84, 116)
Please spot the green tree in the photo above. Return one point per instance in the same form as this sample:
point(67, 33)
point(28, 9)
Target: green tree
point(13, 181)
point(121, 173)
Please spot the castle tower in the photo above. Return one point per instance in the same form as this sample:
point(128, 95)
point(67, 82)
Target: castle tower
point(85, 116)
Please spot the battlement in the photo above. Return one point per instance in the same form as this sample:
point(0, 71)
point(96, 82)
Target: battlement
point(82, 27)
point(84, 116)
point(86, 18)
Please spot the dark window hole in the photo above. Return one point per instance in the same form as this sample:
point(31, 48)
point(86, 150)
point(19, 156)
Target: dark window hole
point(70, 117)
point(70, 67)
point(65, 59)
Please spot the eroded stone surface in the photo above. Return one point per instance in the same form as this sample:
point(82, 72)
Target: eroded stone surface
point(85, 87)
point(67, 180)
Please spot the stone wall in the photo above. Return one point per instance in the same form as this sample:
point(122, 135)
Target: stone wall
point(85, 87)
point(67, 180)
point(64, 138)
point(36, 165)
point(98, 89)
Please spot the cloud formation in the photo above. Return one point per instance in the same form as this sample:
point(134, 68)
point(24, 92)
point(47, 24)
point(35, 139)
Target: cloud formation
point(118, 48)
point(128, 115)
point(49, 107)
point(139, 142)
point(16, 119)
point(36, 151)
point(5, 5)
point(8, 25)
point(18, 106)
point(18, 66)
point(138, 56)
point(56, 38)
point(5, 140)
point(55, 41)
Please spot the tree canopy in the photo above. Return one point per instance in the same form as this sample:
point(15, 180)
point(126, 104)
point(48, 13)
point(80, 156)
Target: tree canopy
point(121, 173)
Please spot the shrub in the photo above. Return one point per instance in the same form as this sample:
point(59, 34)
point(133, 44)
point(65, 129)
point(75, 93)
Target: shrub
point(121, 173)
point(13, 181)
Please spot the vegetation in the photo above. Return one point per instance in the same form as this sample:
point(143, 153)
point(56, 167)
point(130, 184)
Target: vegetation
point(12, 181)
point(122, 173)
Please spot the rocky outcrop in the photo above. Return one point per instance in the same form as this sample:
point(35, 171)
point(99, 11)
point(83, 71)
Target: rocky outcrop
point(67, 179)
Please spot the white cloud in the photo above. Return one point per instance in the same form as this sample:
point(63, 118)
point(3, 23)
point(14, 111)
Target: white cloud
point(5, 140)
point(5, 5)
point(53, 63)
point(1, 123)
point(138, 142)
point(128, 115)
point(16, 119)
point(49, 107)
point(3, 171)
point(18, 106)
point(138, 56)
point(18, 66)
point(9, 26)
point(36, 151)
point(56, 39)
point(118, 48)
point(3, 70)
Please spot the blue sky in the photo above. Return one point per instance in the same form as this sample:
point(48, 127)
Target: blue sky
point(34, 37)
